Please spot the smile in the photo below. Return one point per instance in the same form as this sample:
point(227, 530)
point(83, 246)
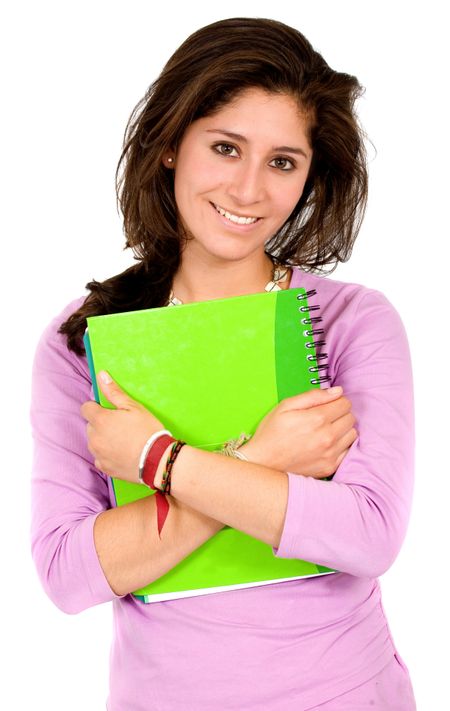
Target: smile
point(239, 220)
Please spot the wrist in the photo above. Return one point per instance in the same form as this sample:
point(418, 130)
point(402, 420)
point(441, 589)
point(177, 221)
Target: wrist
point(234, 447)
point(151, 455)
point(249, 450)
point(157, 472)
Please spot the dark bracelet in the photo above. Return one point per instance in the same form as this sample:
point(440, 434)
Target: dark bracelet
point(166, 477)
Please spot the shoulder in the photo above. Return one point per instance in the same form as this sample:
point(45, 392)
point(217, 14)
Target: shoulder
point(360, 323)
point(345, 301)
point(330, 288)
point(51, 349)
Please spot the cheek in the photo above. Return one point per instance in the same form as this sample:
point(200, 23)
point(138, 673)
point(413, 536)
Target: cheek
point(196, 177)
point(288, 198)
point(210, 175)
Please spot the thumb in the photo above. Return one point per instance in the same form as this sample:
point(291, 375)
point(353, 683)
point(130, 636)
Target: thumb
point(311, 398)
point(113, 392)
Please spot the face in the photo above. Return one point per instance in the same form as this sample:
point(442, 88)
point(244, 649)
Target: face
point(233, 192)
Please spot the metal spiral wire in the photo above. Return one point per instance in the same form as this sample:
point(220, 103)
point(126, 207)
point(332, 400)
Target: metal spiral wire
point(311, 321)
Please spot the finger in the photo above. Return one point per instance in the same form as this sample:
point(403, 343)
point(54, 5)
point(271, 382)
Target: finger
point(341, 457)
point(89, 409)
point(344, 444)
point(332, 411)
point(113, 392)
point(342, 425)
point(312, 398)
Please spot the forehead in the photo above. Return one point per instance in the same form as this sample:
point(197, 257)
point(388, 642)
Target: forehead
point(255, 98)
point(260, 114)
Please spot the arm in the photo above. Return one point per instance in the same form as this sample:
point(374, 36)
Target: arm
point(128, 546)
point(249, 497)
point(357, 522)
point(129, 552)
point(70, 502)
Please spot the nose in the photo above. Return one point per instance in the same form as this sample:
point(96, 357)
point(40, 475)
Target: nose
point(247, 184)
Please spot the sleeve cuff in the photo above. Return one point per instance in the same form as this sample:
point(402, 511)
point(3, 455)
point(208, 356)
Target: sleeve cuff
point(289, 536)
point(97, 584)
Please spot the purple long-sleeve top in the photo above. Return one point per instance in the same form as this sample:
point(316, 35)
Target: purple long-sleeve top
point(285, 646)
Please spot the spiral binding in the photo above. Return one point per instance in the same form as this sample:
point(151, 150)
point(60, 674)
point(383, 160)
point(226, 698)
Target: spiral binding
point(311, 321)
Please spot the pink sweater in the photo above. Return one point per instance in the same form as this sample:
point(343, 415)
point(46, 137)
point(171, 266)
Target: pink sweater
point(281, 647)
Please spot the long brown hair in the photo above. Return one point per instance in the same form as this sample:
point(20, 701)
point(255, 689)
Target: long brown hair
point(209, 69)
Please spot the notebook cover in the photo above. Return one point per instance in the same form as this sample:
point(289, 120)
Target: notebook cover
point(209, 370)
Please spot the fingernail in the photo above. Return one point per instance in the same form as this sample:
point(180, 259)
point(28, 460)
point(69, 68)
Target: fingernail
point(105, 377)
point(335, 390)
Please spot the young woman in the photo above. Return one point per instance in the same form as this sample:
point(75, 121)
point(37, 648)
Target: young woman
point(245, 155)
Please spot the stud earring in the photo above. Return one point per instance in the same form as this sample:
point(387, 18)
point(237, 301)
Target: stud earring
point(170, 160)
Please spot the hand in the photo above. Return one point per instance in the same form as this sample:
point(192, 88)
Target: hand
point(307, 434)
point(116, 437)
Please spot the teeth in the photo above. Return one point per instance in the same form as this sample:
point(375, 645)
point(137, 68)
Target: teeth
point(235, 218)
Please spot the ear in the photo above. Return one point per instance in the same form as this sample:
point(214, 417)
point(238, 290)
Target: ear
point(169, 160)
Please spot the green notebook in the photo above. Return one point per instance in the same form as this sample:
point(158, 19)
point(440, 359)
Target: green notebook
point(210, 370)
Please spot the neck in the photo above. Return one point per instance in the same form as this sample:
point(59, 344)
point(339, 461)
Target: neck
point(197, 281)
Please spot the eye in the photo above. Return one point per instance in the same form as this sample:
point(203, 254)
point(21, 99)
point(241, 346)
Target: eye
point(225, 149)
point(218, 146)
point(283, 160)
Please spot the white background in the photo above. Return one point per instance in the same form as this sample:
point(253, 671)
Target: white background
point(72, 72)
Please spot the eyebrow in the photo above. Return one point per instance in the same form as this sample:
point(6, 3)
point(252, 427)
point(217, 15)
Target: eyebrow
point(238, 137)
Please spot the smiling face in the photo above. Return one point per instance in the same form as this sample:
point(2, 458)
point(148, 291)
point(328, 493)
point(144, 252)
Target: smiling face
point(223, 181)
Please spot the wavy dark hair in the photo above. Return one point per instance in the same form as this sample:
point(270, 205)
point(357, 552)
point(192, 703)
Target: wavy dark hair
point(210, 68)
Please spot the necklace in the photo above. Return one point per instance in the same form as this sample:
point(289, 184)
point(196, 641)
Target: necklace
point(278, 274)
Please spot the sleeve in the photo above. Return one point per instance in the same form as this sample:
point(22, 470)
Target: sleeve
point(356, 522)
point(68, 492)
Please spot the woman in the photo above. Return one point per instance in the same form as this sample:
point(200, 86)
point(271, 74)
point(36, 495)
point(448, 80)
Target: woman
point(244, 154)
